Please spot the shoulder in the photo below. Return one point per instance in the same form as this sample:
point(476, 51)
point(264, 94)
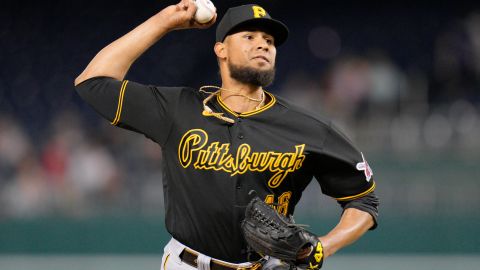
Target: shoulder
point(308, 122)
point(106, 81)
point(163, 91)
point(295, 112)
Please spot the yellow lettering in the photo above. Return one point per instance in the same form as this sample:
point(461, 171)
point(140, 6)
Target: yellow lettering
point(318, 253)
point(193, 140)
point(282, 203)
point(277, 179)
point(243, 154)
point(258, 12)
point(269, 199)
point(193, 149)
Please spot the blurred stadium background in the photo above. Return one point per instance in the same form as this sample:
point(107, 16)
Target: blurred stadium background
point(401, 79)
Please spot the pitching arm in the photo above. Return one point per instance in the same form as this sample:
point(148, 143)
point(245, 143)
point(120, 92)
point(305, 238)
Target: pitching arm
point(116, 59)
point(352, 225)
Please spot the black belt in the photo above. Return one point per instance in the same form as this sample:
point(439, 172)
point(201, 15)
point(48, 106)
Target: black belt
point(190, 258)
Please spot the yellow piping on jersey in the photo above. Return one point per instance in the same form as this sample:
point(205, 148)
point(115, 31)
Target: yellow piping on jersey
point(250, 113)
point(120, 103)
point(358, 195)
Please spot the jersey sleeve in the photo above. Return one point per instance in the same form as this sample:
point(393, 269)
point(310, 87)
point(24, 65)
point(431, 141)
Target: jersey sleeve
point(130, 105)
point(368, 203)
point(341, 170)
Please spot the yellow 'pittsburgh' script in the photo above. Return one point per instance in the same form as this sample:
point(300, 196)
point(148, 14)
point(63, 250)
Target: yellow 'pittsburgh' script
point(216, 156)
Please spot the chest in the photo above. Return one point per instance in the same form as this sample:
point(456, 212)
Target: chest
point(245, 147)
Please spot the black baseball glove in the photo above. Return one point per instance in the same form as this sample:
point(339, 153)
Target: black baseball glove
point(272, 234)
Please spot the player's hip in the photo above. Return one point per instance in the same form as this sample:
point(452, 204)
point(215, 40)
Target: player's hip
point(177, 256)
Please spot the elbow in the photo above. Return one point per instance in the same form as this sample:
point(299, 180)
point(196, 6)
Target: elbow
point(368, 204)
point(76, 82)
point(85, 75)
point(79, 80)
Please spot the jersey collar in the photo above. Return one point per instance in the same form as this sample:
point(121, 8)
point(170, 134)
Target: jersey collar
point(267, 106)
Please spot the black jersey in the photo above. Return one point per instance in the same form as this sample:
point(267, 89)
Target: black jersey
point(210, 165)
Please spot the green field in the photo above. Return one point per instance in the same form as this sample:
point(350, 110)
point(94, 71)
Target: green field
point(152, 262)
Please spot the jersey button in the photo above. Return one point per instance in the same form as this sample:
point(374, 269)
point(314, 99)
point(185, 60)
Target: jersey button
point(240, 136)
point(239, 186)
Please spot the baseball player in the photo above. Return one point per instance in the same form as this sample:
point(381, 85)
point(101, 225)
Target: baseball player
point(221, 142)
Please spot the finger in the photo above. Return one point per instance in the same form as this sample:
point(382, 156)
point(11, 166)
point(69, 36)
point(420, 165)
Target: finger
point(184, 4)
point(191, 8)
point(180, 6)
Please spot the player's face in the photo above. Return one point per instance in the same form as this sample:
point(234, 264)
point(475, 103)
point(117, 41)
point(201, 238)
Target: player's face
point(251, 49)
point(249, 57)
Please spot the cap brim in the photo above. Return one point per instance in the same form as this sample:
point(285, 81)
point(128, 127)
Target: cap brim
point(277, 29)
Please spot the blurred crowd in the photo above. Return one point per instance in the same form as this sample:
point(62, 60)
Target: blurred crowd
point(77, 165)
point(77, 170)
point(383, 105)
point(384, 108)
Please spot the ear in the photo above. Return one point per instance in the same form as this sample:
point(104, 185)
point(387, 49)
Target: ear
point(220, 50)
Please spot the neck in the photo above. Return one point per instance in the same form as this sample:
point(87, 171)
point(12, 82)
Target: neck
point(240, 97)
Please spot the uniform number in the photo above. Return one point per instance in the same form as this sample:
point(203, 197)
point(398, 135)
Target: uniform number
point(282, 202)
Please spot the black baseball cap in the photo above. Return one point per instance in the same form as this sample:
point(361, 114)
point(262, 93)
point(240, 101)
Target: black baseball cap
point(246, 16)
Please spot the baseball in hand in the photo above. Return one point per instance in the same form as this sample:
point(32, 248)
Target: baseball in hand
point(205, 11)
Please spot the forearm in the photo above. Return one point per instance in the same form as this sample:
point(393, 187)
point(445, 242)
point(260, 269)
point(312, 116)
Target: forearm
point(353, 224)
point(116, 59)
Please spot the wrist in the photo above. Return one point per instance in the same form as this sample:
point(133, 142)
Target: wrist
point(163, 22)
point(328, 248)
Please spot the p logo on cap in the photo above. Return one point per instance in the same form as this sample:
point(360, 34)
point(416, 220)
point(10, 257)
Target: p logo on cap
point(258, 12)
point(248, 17)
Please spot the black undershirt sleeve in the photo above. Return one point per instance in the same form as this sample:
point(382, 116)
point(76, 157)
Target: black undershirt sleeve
point(368, 203)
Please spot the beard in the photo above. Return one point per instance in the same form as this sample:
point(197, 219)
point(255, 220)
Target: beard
point(252, 76)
